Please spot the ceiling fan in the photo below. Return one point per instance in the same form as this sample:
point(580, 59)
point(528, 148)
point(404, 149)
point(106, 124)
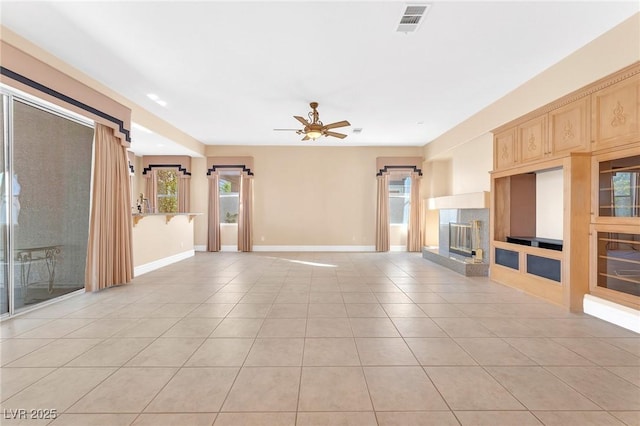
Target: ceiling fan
point(314, 128)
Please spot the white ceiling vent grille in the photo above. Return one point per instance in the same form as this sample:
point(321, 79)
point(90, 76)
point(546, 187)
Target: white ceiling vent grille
point(412, 18)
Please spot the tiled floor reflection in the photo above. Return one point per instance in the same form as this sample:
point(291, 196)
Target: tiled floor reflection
point(315, 339)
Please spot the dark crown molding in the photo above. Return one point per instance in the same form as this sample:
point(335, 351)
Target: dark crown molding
point(244, 168)
point(386, 169)
point(44, 89)
point(177, 166)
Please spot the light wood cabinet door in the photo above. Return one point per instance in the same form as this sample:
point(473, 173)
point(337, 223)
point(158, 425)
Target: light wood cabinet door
point(504, 150)
point(616, 114)
point(569, 127)
point(532, 139)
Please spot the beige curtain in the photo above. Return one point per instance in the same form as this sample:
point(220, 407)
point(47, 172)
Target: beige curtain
point(245, 231)
point(213, 241)
point(382, 214)
point(132, 195)
point(414, 230)
point(184, 195)
point(109, 251)
point(151, 190)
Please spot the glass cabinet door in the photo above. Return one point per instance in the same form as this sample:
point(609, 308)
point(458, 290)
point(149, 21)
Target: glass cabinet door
point(619, 187)
point(618, 264)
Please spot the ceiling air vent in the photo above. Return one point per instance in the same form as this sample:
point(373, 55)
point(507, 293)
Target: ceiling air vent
point(357, 130)
point(412, 18)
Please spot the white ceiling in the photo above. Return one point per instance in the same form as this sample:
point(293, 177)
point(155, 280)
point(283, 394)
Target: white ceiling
point(231, 72)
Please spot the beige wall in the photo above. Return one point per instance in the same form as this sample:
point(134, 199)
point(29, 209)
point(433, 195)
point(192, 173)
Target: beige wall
point(398, 237)
point(612, 51)
point(461, 170)
point(326, 196)
point(137, 184)
point(309, 195)
point(459, 161)
point(154, 239)
point(229, 235)
point(138, 113)
point(199, 200)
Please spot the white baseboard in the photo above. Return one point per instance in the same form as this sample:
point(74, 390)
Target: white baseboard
point(314, 248)
point(222, 248)
point(615, 313)
point(398, 248)
point(160, 263)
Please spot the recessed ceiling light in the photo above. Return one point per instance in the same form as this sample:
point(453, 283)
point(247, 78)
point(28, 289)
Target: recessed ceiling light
point(153, 96)
point(162, 103)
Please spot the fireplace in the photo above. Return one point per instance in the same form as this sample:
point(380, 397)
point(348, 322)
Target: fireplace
point(460, 241)
point(461, 233)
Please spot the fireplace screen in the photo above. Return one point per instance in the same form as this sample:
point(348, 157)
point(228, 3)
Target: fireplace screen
point(460, 238)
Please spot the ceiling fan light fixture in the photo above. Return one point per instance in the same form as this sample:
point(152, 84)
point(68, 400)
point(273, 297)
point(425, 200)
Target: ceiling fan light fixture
point(314, 134)
point(314, 128)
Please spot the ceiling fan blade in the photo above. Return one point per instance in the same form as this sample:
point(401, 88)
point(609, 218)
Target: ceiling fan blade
point(336, 135)
point(306, 138)
point(301, 120)
point(343, 123)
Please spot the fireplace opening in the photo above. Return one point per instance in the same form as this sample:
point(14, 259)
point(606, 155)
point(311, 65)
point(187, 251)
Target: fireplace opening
point(460, 238)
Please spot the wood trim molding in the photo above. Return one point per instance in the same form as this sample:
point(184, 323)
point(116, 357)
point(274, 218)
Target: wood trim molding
point(587, 90)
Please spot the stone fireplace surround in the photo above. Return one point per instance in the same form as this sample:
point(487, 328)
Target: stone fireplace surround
point(453, 261)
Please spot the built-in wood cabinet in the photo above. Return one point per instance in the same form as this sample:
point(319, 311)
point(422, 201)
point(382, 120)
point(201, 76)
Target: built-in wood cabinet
point(601, 116)
point(532, 139)
point(569, 127)
point(615, 226)
point(554, 270)
point(616, 187)
point(505, 150)
point(615, 269)
point(616, 114)
point(593, 135)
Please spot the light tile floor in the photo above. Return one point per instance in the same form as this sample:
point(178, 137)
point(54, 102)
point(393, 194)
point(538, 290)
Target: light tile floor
point(315, 339)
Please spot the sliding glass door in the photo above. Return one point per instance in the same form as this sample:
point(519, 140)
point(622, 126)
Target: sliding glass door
point(4, 212)
point(47, 181)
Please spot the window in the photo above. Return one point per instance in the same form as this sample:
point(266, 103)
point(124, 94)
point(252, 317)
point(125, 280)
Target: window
point(167, 196)
point(229, 186)
point(399, 200)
